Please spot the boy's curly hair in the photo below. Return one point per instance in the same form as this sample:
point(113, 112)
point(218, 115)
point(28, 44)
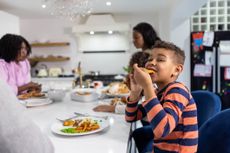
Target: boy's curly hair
point(180, 55)
point(140, 58)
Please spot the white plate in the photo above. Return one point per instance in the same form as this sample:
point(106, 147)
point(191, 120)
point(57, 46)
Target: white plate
point(57, 127)
point(33, 102)
point(117, 95)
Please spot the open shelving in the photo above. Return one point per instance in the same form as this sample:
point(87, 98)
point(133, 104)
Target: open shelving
point(50, 44)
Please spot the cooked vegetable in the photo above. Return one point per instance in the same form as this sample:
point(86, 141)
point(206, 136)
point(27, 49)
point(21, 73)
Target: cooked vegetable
point(128, 69)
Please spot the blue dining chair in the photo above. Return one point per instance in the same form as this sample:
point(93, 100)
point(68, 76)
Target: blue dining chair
point(208, 104)
point(214, 135)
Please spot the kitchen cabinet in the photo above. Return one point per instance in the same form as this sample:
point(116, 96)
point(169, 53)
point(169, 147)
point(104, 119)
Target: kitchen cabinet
point(50, 58)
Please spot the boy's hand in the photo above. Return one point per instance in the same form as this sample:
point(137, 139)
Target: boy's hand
point(135, 89)
point(34, 86)
point(104, 108)
point(141, 77)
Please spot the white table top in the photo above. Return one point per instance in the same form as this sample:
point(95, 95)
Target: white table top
point(111, 140)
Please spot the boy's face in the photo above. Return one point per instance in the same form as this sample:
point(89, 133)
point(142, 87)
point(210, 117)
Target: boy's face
point(164, 63)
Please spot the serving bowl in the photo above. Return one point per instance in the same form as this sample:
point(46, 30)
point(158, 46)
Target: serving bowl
point(56, 94)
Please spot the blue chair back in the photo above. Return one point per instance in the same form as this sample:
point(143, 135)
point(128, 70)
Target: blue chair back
point(208, 104)
point(214, 135)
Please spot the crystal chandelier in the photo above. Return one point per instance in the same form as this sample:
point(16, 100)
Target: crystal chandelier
point(71, 9)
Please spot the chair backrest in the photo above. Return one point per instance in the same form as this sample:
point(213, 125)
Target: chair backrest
point(214, 135)
point(208, 104)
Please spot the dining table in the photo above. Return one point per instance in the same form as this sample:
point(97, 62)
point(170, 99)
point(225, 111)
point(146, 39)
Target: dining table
point(112, 139)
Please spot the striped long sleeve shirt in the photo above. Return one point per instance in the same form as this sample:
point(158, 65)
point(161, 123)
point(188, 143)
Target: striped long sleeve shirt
point(172, 116)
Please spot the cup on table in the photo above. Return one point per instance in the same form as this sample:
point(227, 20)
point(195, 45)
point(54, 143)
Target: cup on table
point(97, 84)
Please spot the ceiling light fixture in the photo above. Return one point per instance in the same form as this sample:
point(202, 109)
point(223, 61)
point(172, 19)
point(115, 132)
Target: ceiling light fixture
point(108, 3)
point(70, 9)
point(43, 5)
point(110, 32)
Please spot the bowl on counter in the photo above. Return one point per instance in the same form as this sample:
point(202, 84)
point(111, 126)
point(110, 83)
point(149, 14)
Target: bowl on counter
point(84, 95)
point(56, 94)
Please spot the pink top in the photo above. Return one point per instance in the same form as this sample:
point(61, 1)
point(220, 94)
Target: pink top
point(15, 74)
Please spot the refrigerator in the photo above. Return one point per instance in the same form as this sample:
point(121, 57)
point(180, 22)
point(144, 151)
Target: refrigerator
point(210, 63)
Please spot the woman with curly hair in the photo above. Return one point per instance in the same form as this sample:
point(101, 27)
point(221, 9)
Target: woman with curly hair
point(14, 65)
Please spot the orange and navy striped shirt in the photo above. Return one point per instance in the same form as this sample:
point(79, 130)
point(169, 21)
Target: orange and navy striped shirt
point(172, 116)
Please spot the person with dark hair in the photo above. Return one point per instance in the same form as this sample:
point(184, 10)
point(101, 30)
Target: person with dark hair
point(138, 57)
point(170, 110)
point(18, 133)
point(144, 36)
point(14, 65)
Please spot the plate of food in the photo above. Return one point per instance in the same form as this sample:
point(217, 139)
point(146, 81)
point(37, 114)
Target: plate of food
point(117, 89)
point(32, 94)
point(80, 126)
point(33, 102)
point(84, 95)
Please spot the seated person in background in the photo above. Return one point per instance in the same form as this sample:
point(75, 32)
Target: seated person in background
point(14, 66)
point(170, 110)
point(18, 134)
point(138, 57)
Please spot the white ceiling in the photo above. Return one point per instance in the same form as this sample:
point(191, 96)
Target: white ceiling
point(27, 9)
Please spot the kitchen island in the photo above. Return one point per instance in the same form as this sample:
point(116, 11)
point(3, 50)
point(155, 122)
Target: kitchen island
point(111, 140)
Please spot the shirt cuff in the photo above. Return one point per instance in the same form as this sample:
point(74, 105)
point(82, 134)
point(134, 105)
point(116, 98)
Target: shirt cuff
point(132, 102)
point(147, 101)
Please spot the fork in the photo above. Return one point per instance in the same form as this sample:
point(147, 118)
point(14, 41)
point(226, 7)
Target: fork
point(63, 120)
point(80, 114)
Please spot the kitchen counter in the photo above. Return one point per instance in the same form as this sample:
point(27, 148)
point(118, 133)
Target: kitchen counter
point(53, 78)
point(65, 83)
point(105, 78)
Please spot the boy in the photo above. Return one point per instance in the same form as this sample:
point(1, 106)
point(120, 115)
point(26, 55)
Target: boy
point(170, 110)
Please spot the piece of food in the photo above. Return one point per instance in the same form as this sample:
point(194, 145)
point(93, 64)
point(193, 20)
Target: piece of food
point(83, 93)
point(24, 96)
point(128, 69)
point(30, 94)
point(118, 88)
point(69, 123)
point(80, 126)
point(149, 71)
point(116, 100)
point(38, 94)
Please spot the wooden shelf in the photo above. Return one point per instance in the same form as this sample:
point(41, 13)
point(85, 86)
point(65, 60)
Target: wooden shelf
point(50, 44)
point(49, 59)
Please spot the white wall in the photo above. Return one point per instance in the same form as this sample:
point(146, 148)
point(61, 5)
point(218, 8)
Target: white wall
point(180, 36)
point(58, 30)
point(103, 42)
point(8, 23)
